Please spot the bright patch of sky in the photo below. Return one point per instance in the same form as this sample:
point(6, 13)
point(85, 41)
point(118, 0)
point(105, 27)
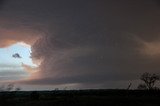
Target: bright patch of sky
point(10, 67)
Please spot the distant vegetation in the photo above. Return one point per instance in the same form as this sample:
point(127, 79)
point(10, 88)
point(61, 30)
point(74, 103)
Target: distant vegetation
point(9, 87)
point(149, 81)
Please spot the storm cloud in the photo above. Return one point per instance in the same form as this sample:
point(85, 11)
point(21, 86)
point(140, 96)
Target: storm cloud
point(86, 41)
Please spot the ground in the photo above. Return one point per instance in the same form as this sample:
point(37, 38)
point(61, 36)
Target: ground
point(81, 98)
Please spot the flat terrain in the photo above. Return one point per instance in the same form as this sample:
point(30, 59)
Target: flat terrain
point(81, 98)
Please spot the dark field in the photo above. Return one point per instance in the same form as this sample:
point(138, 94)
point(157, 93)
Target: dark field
point(81, 98)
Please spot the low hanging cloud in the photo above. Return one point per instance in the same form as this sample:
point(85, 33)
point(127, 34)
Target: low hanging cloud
point(85, 42)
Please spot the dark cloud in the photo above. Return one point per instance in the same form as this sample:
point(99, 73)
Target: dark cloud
point(93, 45)
point(16, 55)
point(2, 3)
point(88, 41)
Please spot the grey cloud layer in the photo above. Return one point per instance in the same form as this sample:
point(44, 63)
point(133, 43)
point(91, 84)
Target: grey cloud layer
point(11, 72)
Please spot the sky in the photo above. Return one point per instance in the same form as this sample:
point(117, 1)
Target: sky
point(78, 44)
point(12, 68)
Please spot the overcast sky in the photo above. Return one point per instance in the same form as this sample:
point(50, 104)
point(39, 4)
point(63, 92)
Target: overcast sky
point(84, 43)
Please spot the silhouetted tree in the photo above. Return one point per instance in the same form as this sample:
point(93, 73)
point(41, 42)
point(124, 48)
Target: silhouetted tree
point(129, 86)
point(149, 80)
point(17, 89)
point(2, 87)
point(10, 87)
point(56, 89)
point(142, 87)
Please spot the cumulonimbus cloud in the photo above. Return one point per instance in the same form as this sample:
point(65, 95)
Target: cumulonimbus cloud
point(86, 43)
